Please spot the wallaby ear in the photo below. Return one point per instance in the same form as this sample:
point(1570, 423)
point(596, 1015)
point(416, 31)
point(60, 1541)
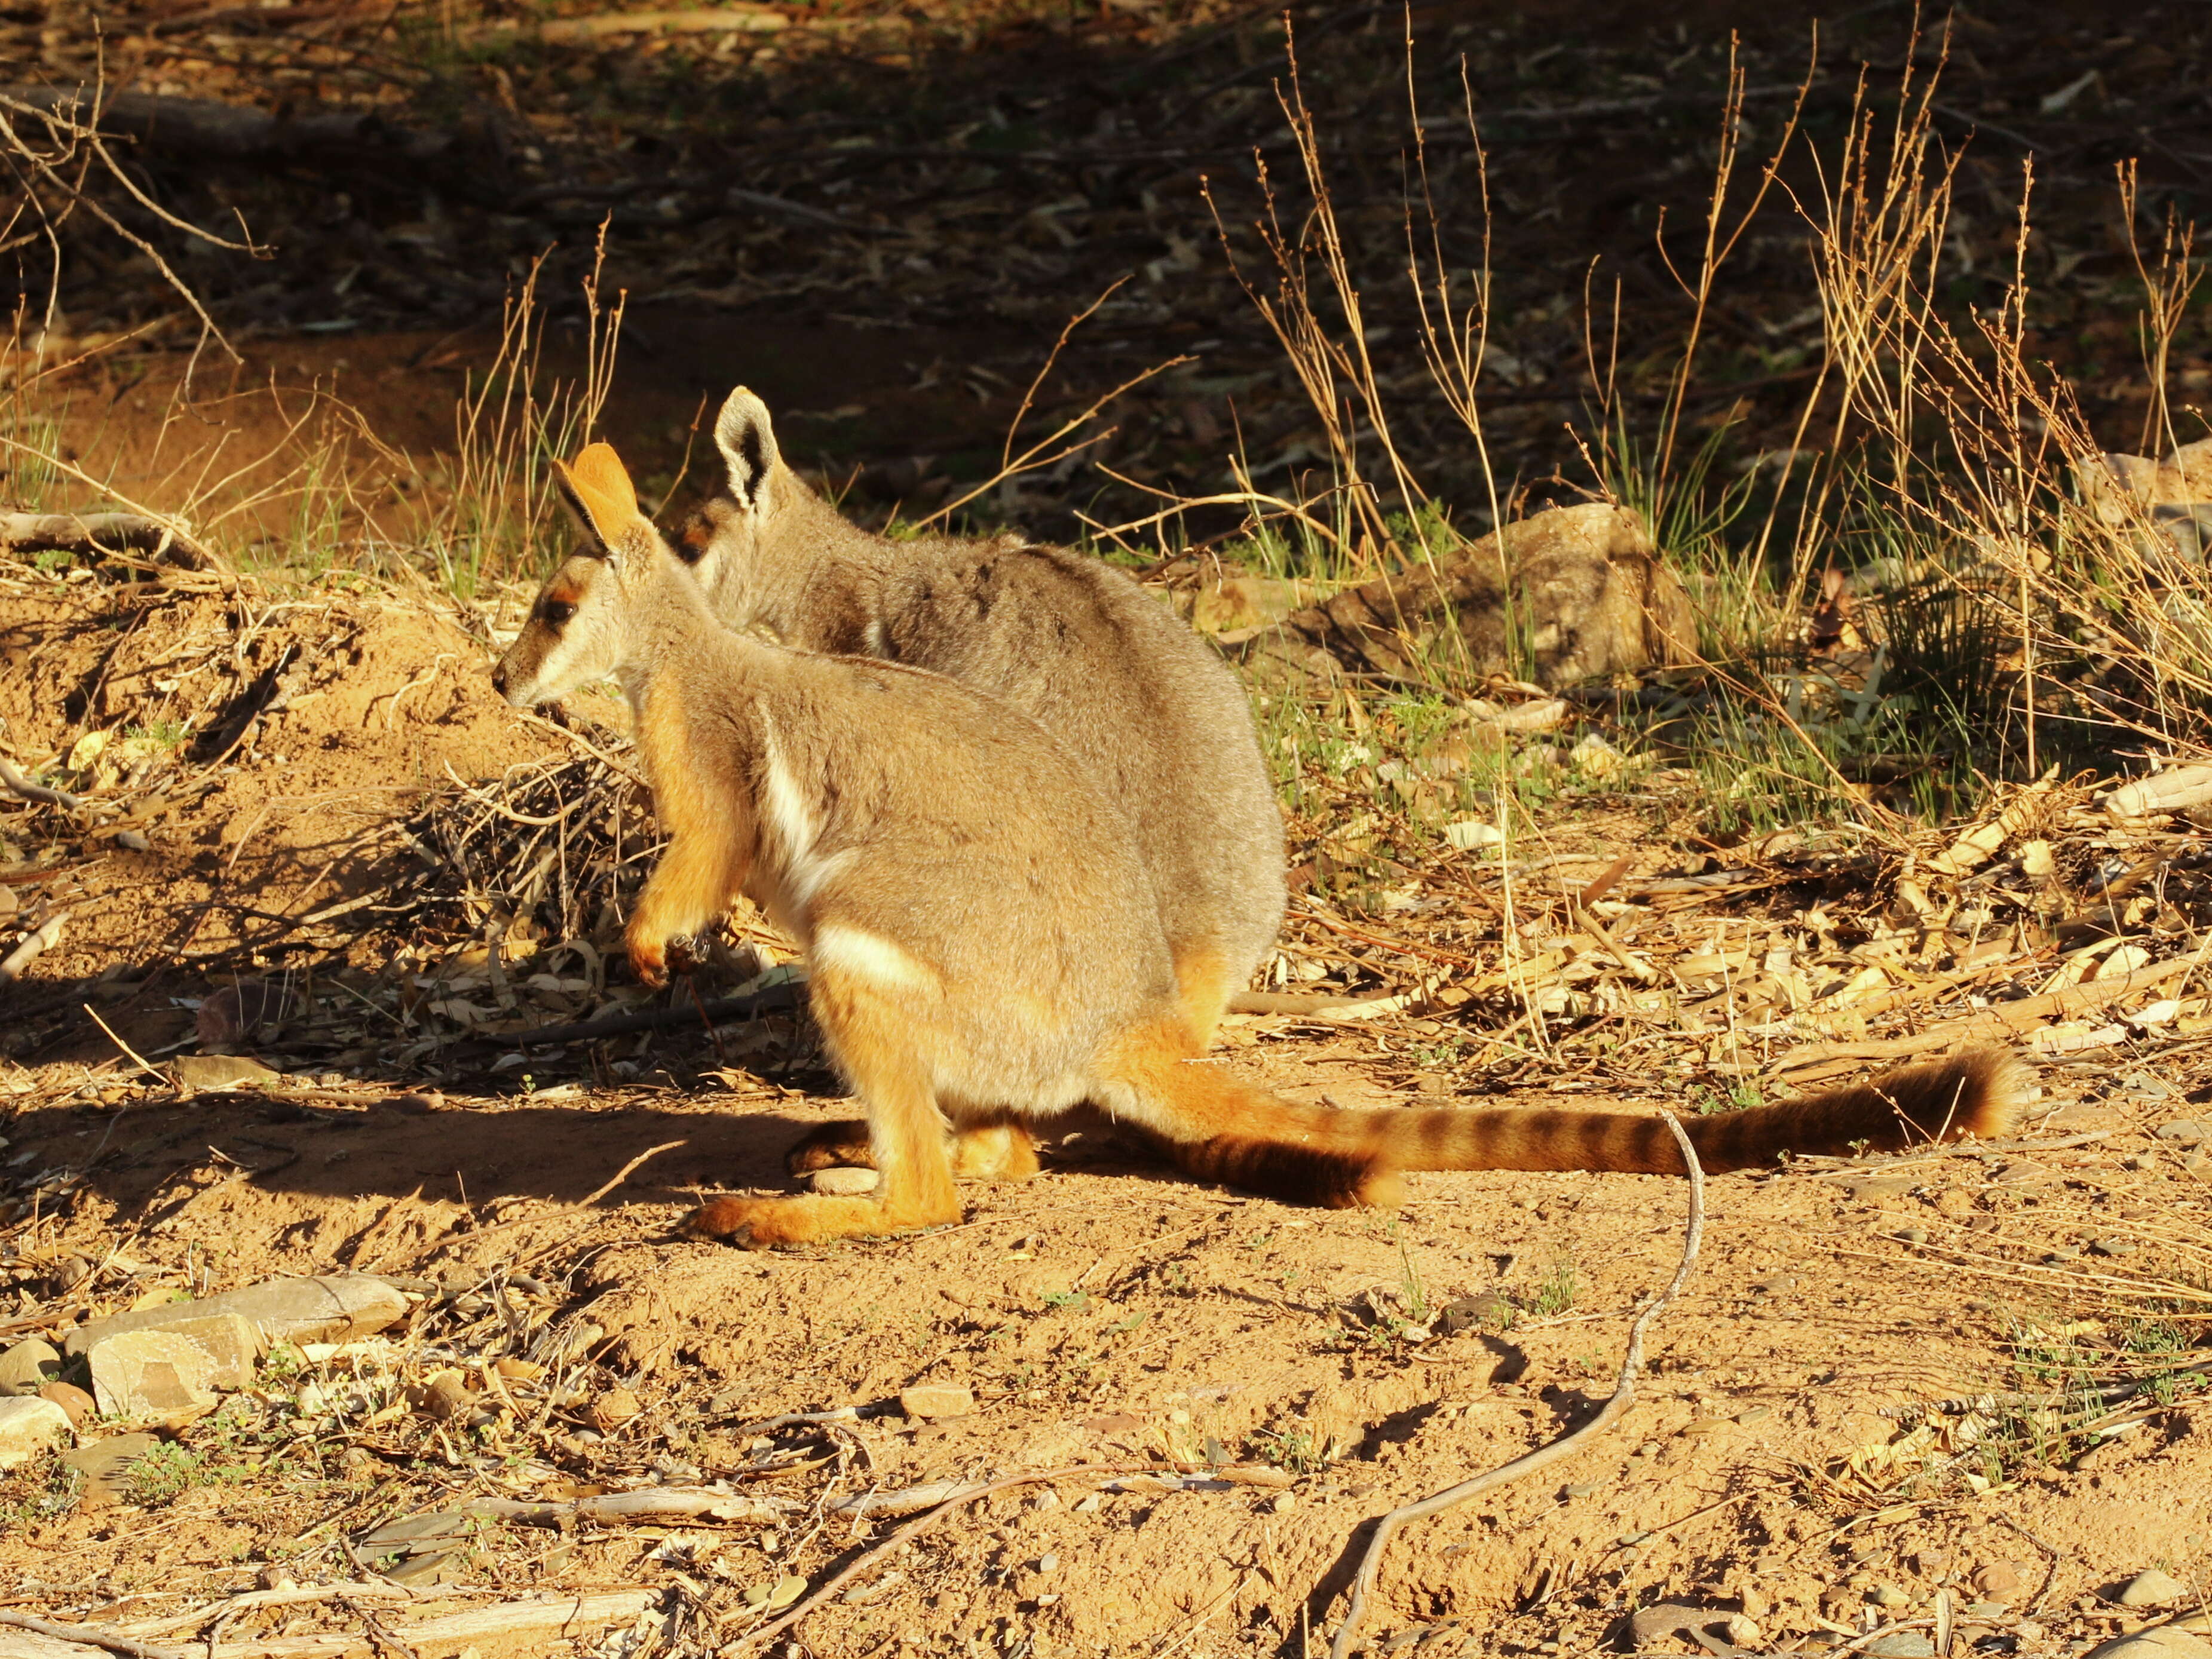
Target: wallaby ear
point(596, 489)
point(747, 440)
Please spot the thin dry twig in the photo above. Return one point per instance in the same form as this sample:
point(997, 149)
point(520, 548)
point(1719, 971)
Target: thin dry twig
point(1624, 1395)
point(869, 1558)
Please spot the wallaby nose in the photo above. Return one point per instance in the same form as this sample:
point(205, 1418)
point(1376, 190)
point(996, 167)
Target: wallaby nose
point(499, 679)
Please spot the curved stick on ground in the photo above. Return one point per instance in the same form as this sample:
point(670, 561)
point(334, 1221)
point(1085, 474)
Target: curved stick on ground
point(1624, 1394)
point(16, 784)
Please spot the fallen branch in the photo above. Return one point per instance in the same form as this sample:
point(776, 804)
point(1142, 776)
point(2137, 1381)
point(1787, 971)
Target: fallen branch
point(1624, 1395)
point(869, 1558)
point(39, 939)
point(734, 20)
point(90, 534)
point(91, 1635)
point(289, 1596)
point(651, 1503)
point(16, 784)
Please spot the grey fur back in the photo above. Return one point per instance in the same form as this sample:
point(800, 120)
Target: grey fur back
point(1142, 703)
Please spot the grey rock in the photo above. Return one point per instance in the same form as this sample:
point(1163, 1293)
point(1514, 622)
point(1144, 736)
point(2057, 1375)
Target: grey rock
point(29, 1366)
point(1903, 1645)
point(2182, 1131)
point(2112, 1247)
point(138, 1373)
point(843, 1180)
point(29, 1426)
point(331, 1308)
point(2153, 1588)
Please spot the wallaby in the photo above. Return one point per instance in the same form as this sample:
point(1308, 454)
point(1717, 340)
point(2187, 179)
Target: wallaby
point(984, 950)
point(1138, 700)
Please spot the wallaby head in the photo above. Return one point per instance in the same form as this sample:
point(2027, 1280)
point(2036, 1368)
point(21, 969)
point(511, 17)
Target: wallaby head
point(576, 629)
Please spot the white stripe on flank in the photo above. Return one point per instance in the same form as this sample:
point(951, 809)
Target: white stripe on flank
point(871, 957)
point(791, 835)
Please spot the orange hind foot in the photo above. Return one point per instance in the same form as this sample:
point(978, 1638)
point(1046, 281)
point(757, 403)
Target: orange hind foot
point(991, 1151)
point(764, 1224)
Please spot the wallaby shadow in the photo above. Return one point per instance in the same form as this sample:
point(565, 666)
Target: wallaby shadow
point(477, 1152)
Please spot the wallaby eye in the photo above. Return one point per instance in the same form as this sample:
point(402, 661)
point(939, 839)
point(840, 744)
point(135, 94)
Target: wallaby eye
point(556, 613)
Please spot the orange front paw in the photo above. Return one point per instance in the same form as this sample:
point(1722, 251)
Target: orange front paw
point(648, 960)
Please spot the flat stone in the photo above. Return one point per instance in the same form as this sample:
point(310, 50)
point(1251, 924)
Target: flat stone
point(330, 1307)
point(141, 1373)
point(1873, 1189)
point(2159, 1642)
point(2182, 1131)
point(1667, 1619)
point(231, 1344)
point(29, 1425)
point(2000, 1581)
point(223, 1072)
point(28, 1366)
point(106, 1465)
point(928, 1400)
point(845, 1181)
point(1903, 1645)
point(2152, 1590)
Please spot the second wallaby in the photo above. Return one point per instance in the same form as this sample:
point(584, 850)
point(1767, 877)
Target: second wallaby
point(984, 948)
point(1136, 698)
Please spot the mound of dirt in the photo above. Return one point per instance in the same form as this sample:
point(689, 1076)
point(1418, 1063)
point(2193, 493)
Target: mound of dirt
point(244, 760)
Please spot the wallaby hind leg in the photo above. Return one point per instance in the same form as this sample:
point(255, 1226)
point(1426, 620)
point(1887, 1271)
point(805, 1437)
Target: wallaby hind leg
point(992, 1152)
point(875, 1043)
point(1202, 990)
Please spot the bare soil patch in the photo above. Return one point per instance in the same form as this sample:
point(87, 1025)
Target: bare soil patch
point(1236, 1386)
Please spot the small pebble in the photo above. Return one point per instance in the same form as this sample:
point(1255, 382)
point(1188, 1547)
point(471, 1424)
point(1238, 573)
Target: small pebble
point(1999, 1581)
point(2111, 1247)
point(1283, 1502)
point(1047, 1563)
point(1090, 1505)
point(1888, 1596)
point(2184, 1131)
point(1912, 1236)
point(928, 1400)
point(844, 1181)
